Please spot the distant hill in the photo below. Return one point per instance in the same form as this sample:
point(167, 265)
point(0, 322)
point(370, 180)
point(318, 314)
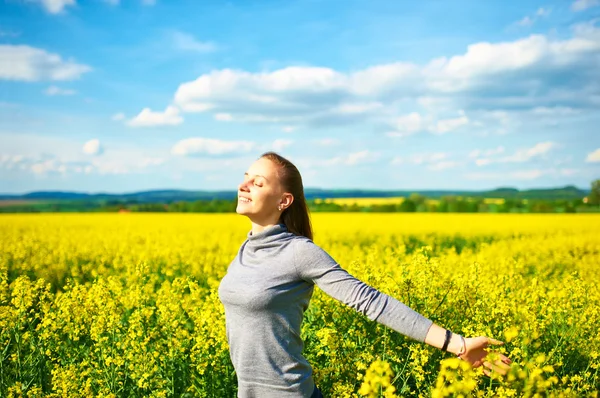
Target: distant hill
point(169, 196)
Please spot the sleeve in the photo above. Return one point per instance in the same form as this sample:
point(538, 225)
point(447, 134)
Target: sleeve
point(313, 264)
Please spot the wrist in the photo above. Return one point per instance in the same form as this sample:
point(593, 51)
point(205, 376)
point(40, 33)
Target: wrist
point(456, 344)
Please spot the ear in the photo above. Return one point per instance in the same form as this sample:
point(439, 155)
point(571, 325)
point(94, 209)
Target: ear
point(286, 200)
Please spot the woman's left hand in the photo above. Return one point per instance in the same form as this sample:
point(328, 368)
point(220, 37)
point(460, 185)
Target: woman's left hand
point(476, 352)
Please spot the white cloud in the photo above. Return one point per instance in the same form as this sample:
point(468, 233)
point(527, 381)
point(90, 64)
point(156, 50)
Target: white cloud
point(525, 155)
point(288, 129)
point(414, 122)
point(22, 62)
point(407, 125)
point(448, 164)
point(521, 74)
point(186, 42)
point(54, 90)
point(42, 164)
point(223, 117)
point(147, 118)
point(580, 5)
point(281, 144)
point(55, 6)
point(118, 117)
point(593, 157)
point(447, 125)
point(92, 147)
point(520, 156)
point(530, 20)
point(489, 152)
point(198, 146)
point(45, 156)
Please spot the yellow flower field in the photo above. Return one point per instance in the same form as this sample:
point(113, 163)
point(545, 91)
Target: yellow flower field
point(126, 305)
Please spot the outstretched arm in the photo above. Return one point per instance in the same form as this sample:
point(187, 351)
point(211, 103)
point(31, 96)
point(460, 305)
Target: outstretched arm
point(315, 265)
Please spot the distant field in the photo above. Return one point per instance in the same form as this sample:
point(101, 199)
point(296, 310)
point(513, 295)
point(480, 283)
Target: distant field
point(393, 200)
point(16, 202)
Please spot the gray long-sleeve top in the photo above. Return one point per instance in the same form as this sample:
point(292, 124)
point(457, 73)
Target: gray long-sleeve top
point(265, 292)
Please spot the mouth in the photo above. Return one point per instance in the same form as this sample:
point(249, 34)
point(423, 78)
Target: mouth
point(245, 200)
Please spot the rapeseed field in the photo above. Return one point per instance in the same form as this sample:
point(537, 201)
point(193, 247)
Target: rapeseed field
point(126, 305)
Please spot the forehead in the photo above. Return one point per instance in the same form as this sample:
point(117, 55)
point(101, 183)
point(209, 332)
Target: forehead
point(263, 167)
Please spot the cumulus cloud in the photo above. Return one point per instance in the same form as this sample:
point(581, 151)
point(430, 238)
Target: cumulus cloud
point(580, 5)
point(593, 157)
point(54, 90)
point(512, 75)
point(92, 147)
point(199, 146)
point(148, 118)
point(22, 62)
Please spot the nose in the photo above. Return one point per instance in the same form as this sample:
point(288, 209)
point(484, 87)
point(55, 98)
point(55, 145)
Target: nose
point(243, 187)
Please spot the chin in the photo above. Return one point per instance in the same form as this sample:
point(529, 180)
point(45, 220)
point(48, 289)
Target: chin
point(241, 211)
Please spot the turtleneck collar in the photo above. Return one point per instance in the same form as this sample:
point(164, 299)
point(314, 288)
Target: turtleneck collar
point(268, 235)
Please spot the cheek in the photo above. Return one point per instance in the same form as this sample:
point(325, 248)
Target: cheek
point(265, 199)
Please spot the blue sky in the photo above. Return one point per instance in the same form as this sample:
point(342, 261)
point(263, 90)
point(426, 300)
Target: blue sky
point(120, 96)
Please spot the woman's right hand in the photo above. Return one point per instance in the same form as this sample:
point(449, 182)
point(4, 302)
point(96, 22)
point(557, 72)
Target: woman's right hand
point(476, 352)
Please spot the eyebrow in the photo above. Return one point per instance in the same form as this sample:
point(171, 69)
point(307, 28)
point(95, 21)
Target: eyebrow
point(258, 175)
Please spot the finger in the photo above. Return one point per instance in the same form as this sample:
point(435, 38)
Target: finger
point(487, 372)
point(495, 368)
point(502, 365)
point(494, 341)
point(505, 359)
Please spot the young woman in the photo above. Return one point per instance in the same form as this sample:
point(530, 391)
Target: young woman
point(270, 282)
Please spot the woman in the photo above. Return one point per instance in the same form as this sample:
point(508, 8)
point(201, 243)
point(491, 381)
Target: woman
point(269, 284)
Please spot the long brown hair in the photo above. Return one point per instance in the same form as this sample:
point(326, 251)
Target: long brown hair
point(296, 217)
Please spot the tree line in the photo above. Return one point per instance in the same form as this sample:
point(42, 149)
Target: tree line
point(414, 203)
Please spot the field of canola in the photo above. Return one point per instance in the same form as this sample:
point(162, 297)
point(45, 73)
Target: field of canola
point(126, 305)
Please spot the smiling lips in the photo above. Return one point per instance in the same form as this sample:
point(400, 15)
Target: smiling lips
point(243, 199)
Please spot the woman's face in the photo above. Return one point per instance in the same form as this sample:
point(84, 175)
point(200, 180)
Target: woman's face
point(260, 194)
